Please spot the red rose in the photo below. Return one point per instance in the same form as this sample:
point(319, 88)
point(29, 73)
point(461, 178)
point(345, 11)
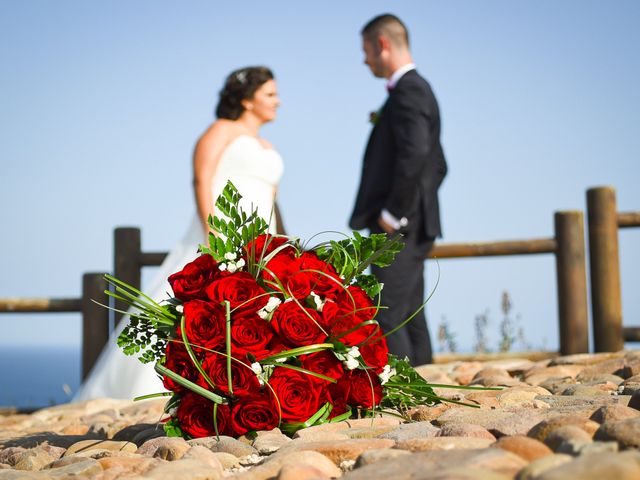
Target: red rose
point(364, 388)
point(254, 412)
point(243, 379)
point(300, 394)
point(205, 323)
point(277, 270)
point(263, 245)
point(298, 284)
point(300, 276)
point(178, 361)
point(250, 334)
point(324, 363)
point(323, 279)
point(240, 290)
point(190, 282)
point(339, 393)
point(296, 325)
point(375, 352)
point(351, 308)
point(195, 414)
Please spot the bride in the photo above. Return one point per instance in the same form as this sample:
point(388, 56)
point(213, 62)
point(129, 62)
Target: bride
point(230, 149)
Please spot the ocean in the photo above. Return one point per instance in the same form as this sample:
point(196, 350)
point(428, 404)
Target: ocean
point(33, 377)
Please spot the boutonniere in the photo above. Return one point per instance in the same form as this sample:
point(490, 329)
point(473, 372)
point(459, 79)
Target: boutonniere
point(374, 117)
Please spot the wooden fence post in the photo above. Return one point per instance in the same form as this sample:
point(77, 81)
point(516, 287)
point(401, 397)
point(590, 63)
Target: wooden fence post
point(95, 319)
point(572, 283)
point(606, 300)
point(126, 260)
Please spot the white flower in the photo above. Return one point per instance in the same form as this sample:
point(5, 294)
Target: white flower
point(272, 304)
point(232, 267)
point(179, 308)
point(318, 301)
point(354, 352)
point(222, 267)
point(230, 256)
point(240, 263)
point(386, 374)
point(351, 362)
point(256, 367)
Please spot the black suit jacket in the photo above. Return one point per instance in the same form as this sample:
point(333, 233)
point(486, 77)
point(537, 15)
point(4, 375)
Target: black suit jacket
point(404, 163)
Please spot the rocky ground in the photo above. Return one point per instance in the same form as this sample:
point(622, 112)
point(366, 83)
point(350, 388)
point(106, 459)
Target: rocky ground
point(569, 417)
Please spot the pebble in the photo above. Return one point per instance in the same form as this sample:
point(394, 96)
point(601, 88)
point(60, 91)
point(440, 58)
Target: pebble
point(567, 439)
point(525, 447)
point(411, 430)
point(275, 464)
point(226, 445)
point(88, 445)
point(538, 467)
point(465, 430)
point(544, 428)
point(374, 456)
point(620, 466)
point(625, 432)
point(443, 443)
point(612, 413)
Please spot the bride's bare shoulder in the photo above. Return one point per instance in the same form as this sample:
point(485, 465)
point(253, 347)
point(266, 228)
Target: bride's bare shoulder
point(219, 132)
point(265, 143)
point(220, 129)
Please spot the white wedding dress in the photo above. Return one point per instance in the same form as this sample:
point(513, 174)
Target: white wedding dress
point(255, 171)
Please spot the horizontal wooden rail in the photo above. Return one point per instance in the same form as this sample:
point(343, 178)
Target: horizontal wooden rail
point(443, 250)
point(489, 249)
point(36, 305)
point(631, 334)
point(152, 259)
point(628, 219)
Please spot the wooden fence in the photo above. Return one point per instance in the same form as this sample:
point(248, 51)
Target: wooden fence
point(567, 245)
point(95, 319)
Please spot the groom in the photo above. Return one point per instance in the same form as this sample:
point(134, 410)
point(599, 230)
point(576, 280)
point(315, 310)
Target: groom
point(403, 167)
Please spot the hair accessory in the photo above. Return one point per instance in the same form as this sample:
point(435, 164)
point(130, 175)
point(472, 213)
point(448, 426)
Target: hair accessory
point(241, 76)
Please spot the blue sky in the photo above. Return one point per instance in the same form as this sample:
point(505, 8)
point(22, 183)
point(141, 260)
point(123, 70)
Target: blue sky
point(102, 103)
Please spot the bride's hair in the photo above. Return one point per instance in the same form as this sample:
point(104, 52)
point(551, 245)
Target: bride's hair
point(241, 84)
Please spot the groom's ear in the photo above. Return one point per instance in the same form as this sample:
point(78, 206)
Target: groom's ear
point(383, 43)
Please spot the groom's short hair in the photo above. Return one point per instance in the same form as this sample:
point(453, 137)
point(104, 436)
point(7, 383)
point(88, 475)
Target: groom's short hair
point(388, 25)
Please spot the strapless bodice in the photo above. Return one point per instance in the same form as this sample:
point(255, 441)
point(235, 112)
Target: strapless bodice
point(255, 171)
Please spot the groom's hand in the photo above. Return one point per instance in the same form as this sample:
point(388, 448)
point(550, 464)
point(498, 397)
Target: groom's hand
point(385, 226)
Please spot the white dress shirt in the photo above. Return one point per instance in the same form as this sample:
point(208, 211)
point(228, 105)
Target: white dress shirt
point(398, 74)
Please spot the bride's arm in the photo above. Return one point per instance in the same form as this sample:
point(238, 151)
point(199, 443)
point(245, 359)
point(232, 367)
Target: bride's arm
point(206, 157)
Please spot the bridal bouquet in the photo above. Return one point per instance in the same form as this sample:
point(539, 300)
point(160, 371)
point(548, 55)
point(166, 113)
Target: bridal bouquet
point(262, 332)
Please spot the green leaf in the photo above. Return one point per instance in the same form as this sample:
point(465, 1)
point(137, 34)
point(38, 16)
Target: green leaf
point(316, 419)
point(308, 372)
point(172, 428)
point(236, 229)
point(294, 352)
point(370, 284)
point(351, 256)
point(190, 385)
